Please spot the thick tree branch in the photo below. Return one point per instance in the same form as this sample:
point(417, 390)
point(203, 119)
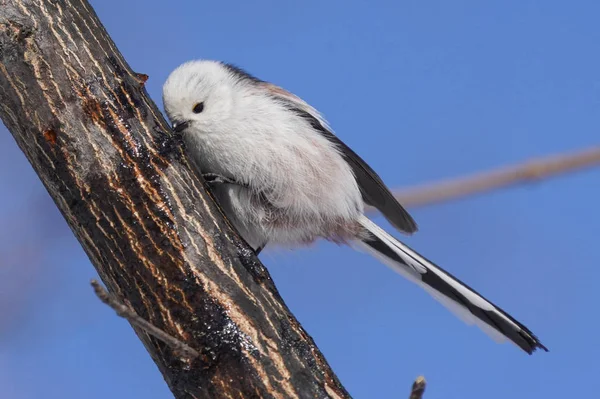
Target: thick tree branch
point(149, 227)
point(527, 172)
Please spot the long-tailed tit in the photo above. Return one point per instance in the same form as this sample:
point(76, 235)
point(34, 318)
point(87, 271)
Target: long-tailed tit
point(283, 178)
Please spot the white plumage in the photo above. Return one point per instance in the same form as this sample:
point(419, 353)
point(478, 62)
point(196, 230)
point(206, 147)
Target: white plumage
point(285, 179)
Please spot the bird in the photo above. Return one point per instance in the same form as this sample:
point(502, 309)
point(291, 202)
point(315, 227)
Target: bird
point(283, 178)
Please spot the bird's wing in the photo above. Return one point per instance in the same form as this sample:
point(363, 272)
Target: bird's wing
point(373, 190)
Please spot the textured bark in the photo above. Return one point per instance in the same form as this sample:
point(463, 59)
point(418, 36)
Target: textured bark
point(159, 243)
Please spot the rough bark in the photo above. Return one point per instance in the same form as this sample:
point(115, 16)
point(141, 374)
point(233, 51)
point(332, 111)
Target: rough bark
point(152, 231)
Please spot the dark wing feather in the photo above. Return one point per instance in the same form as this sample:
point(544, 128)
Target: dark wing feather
point(373, 190)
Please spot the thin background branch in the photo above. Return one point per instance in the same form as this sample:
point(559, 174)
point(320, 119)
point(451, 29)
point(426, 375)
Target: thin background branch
point(129, 314)
point(527, 172)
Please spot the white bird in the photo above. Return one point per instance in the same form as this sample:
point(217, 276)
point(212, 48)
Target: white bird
point(283, 178)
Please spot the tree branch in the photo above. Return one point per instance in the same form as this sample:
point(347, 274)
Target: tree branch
point(418, 388)
point(527, 172)
point(127, 313)
point(158, 241)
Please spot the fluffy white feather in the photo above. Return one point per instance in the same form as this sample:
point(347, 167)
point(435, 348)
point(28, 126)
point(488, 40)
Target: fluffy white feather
point(290, 180)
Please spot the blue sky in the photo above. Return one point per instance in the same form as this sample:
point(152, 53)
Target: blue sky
point(423, 91)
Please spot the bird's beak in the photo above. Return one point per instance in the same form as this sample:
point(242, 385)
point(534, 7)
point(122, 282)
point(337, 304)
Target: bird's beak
point(178, 127)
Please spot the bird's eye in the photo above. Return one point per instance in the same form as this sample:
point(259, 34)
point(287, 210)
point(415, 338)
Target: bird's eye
point(199, 107)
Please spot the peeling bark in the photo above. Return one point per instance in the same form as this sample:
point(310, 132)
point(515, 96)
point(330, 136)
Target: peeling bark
point(144, 217)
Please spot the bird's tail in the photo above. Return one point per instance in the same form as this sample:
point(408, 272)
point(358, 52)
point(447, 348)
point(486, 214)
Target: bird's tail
point(465, 302)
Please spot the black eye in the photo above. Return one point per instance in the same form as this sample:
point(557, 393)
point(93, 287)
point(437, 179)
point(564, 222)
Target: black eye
point(198, 108)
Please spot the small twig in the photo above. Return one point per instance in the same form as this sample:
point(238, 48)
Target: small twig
point(418, 388)
point(126, 312)
point(529, 171)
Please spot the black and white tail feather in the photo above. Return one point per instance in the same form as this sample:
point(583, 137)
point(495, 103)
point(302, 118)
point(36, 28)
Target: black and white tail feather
point(465, 302)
